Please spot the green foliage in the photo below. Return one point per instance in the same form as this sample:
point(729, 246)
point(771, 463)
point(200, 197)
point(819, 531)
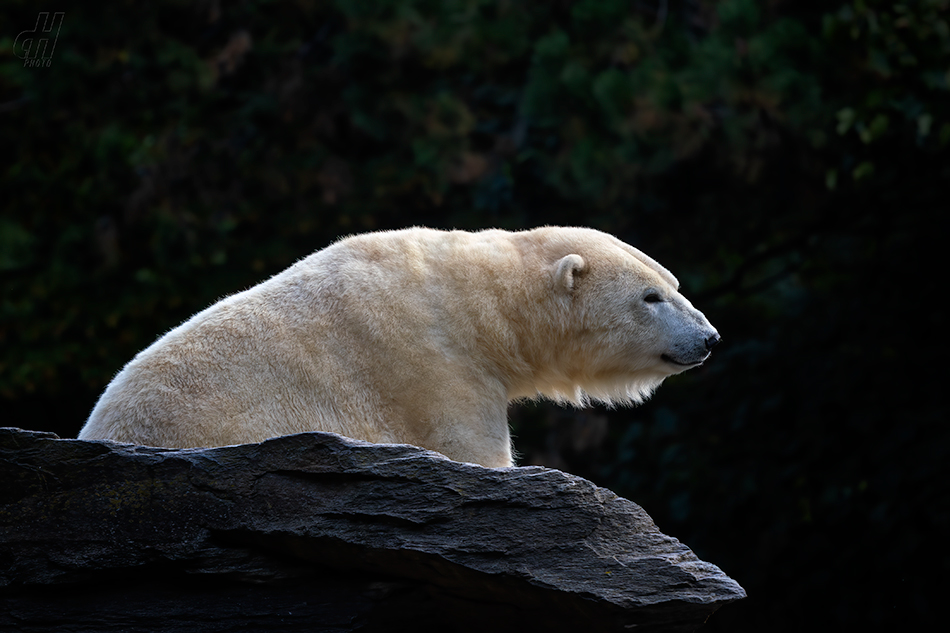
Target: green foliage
point(786, 160)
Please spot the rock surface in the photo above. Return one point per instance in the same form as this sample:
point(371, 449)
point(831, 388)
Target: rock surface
point(318, 532)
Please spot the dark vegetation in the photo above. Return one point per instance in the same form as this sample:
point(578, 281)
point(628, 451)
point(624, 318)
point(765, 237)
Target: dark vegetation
point(787, 160)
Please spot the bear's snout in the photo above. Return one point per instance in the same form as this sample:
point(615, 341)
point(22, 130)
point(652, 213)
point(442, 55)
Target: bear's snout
point(693, 337)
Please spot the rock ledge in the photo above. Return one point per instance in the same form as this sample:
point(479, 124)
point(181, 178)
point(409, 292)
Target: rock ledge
point(319, 532)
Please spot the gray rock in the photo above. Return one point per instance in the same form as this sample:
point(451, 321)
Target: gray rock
point(319, 532)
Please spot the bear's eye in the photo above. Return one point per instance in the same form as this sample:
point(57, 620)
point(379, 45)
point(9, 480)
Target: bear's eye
point(653, 297)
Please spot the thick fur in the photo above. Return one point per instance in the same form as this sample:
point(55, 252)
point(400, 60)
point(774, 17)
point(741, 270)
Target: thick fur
point(415, 336)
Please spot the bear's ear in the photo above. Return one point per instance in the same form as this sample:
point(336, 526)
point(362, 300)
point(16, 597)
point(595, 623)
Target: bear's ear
point(566, 271)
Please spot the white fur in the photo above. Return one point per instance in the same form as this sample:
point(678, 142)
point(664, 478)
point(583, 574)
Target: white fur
point(415, 336)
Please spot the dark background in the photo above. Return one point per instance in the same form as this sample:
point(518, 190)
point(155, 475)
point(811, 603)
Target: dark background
point(787, 160)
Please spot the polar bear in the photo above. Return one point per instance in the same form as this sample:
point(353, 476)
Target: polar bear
point(415, 336)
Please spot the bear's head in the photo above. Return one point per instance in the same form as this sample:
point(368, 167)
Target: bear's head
point(627, 327)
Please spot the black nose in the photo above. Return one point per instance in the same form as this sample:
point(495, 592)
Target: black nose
point(712, 341)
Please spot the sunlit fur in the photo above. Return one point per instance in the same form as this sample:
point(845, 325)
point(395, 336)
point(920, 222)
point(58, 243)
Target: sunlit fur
point(415, 336)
